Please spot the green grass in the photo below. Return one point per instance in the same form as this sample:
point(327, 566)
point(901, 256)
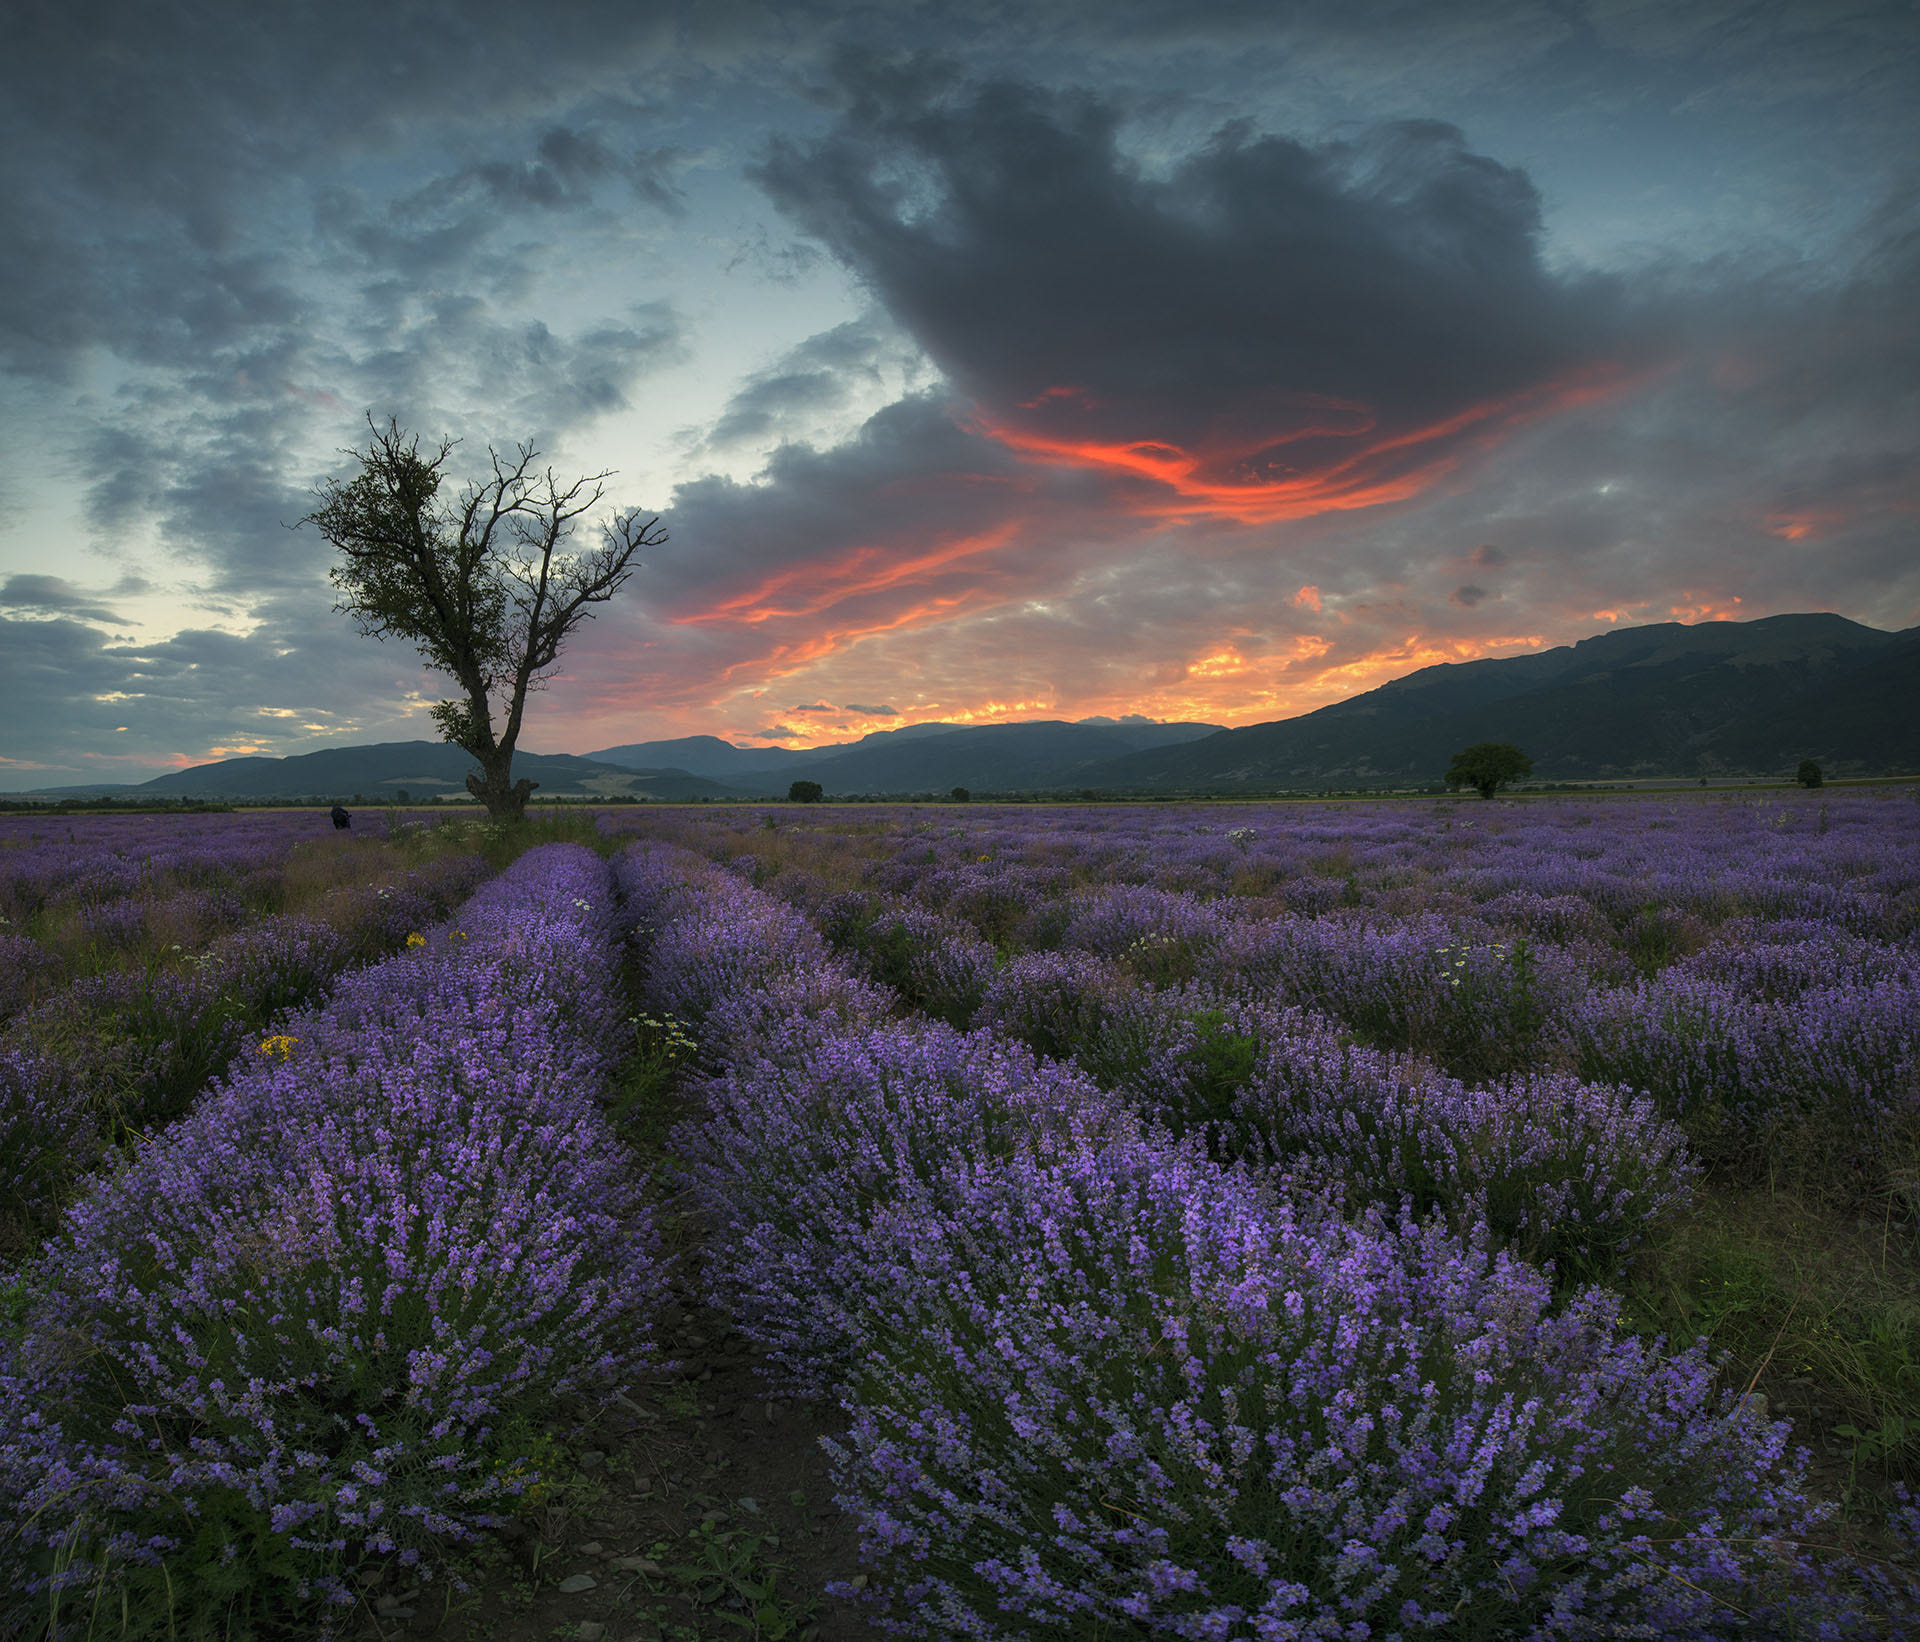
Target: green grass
point(1818, 1307)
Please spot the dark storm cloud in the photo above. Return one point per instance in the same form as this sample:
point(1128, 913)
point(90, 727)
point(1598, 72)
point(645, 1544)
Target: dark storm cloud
point(774, 404)
point(819, 526)
point(875, 712)
point(1266, 324)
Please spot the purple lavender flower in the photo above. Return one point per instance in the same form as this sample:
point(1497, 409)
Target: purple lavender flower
point(792, 1159)
point(1175, 1405)
point(333, 1303)
point(48, 1139)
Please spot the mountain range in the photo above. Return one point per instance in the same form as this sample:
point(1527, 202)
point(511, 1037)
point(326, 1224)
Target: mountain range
point(1714, 699)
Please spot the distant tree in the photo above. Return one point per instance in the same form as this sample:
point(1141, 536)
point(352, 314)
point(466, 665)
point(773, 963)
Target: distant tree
point(484, 585)
point(805, 792)
point(403, 796)
point(1487, 766)
point(960, 795)
point(1809, 774)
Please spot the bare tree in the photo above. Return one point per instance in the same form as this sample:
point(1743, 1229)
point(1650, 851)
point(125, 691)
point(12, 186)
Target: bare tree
point(485, 585)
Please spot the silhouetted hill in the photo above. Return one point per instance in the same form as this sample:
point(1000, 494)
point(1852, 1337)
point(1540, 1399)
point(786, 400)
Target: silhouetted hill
point(722, 761)
point(919, 758)
point(424, 769)
point(1030, 757)
point(1714, 699)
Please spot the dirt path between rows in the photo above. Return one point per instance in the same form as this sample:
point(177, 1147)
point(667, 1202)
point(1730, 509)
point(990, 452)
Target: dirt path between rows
point(699, 1508)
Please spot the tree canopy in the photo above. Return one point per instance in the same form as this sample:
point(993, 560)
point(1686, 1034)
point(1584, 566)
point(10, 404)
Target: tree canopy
point(1487, 766)
point(485, 585)
point(1809, 774)
point(805, 792)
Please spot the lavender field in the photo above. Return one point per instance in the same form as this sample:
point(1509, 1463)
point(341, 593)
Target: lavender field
point(1380, 1220)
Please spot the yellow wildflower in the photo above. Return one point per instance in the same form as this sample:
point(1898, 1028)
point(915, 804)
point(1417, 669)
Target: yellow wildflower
point(415, 940)
point(278, 1047)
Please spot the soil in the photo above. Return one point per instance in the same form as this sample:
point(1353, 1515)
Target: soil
point(698, 1506)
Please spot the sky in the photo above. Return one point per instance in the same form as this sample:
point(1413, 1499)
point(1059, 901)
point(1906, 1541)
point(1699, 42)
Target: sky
point(983, 360)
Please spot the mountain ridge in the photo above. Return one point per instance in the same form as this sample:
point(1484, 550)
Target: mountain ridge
point(1669, 699)
point(1712, 699)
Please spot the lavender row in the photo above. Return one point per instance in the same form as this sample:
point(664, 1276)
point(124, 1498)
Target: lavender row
point(93, 862)
point(322, 1322)
point(1647, 877)
point(1100, 1382)
point(1768, 1032)
point(118, 1054)
point(109, 894)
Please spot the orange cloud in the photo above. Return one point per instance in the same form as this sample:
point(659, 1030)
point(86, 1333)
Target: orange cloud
point(1806, 524)
point(1238, 475)
point(782, 659)
point(1707, 609)
point(1368, 672)
point(817, 586)
point(1228, 663)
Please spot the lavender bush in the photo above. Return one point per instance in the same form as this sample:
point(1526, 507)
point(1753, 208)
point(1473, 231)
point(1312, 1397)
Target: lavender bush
point(733, 940)
point(318, 1322)
point(1280, 1355)
point(938, 964)
point(140, 1042)
point(1566, 1172)
point(1829, 1071)
point(793, 1158)
point(47, 1141)
point(1186, 1409)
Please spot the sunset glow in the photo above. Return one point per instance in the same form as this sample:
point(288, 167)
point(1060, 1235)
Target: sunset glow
point(1234, 476)
point(811, 590)
point(977, 362)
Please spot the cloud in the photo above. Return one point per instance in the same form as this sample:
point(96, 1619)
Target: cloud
point(52, 596)
point(143, 146)
point(797, 396)
point(1068, 517)
point(1270, 330)
point(568, 165)
point(817, 707)
point(1161, 403)
point(105, 709)
point(455, 353)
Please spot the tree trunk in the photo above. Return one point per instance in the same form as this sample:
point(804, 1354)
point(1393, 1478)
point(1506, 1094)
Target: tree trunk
point(506, 800)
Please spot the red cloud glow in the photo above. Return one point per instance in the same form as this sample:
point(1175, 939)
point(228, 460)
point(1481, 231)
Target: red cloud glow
point(817, 587)
point(1326, 456)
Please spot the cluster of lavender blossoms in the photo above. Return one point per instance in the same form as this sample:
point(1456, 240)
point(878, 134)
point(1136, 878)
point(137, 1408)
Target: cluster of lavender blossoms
point(1184, 1406)
point(121, 1051)
point(1748, 962)
point(319, 1322)
point(1126, 1347)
